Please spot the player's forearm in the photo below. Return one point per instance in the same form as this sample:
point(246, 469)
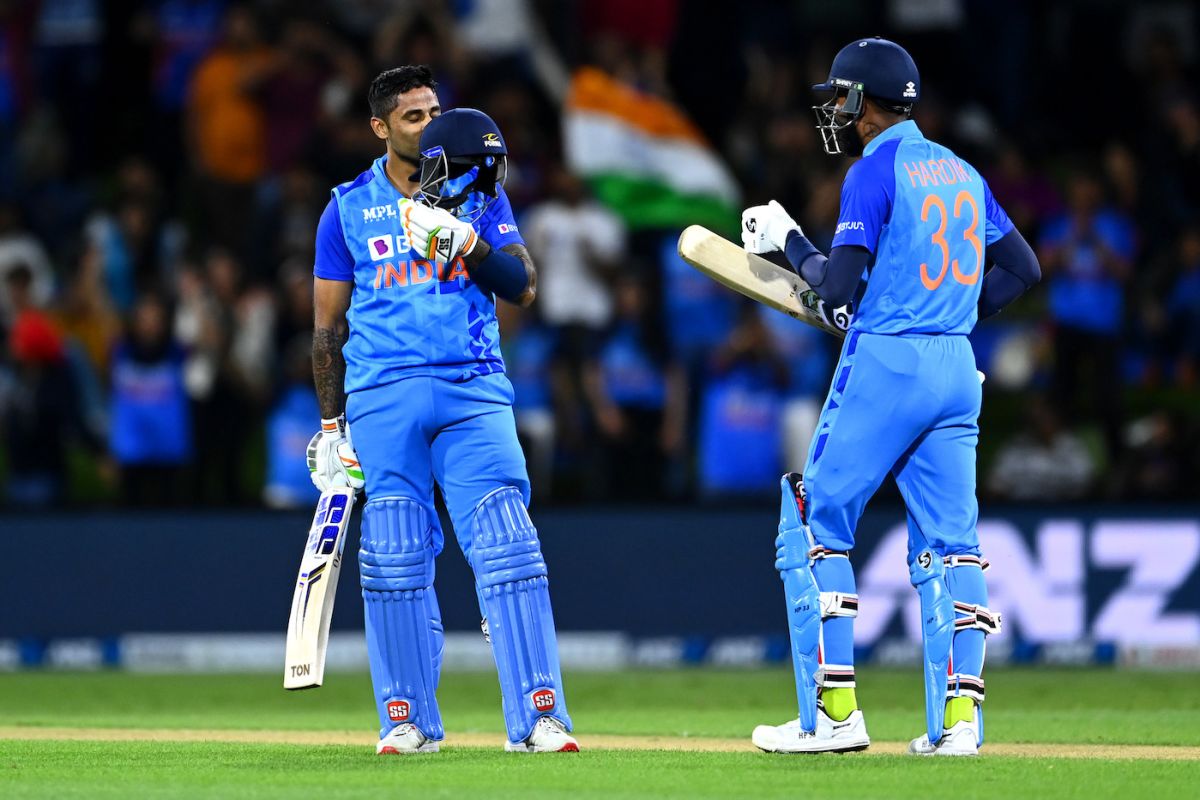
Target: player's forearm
point(329, 370)
point(508, 272)
point(834, 279)
point(1015, 270)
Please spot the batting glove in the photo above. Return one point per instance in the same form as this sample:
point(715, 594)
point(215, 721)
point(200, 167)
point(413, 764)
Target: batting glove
point(765, 228)
point(331, 457)
point(435, 233)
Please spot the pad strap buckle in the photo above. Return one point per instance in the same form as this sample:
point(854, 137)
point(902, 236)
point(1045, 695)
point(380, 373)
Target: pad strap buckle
point(836, 676)
point(838, 604)
point(967, 561)
point(969, 615)
point(965, 686)
point(820, 551)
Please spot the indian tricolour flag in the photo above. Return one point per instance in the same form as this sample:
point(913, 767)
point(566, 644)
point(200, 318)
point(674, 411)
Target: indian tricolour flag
point(644, 158)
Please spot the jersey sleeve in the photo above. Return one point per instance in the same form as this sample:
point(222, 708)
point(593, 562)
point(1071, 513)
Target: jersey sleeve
point(498, 227)
point(998, 223)
point(867, 195)
point(333, 260)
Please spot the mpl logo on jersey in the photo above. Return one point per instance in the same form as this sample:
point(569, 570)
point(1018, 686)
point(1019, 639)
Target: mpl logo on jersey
point(543, 699)
point(377, 213)
point(398, 710)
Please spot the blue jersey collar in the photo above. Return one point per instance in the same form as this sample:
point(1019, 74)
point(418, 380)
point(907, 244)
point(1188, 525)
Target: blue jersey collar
point(902, 130)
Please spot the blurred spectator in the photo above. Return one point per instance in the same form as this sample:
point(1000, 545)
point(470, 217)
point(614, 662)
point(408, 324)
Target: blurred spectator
point(1183, 310)
point(151, 435)
point(805, 351)
point(1044, 462)
point(741, 411)
point(638, 398)
point(19, 249)
point(528, 347)
point(182, 32)
point(136, 248)
point(228, 129)
point(67, 41)
point(16, 90)
point(578, 245)
point(1027, 195)
point(289, 427)
point(40, 401)
point(1162, 458)
point(1087, 255)
point(228, 333)
point(698, 312)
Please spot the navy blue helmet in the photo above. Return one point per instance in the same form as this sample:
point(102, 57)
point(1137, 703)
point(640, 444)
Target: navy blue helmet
point(874, 68)
point(462, 155)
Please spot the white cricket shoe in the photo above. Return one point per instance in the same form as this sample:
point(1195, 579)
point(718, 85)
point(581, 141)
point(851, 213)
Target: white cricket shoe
point(548, 736)
point(961, 739)
point(830, 737)
point(405, 739)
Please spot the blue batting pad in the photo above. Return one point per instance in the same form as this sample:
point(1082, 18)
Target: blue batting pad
point(926, 572)
point(510, 575)
point(792, 546)
point(404, 624)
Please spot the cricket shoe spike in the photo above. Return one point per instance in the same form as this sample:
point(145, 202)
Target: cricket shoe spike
point(830, 737)
point(548, 736)
point(961, 739)
point(405, 739)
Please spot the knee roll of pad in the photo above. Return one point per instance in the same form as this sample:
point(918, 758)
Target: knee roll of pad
point(510, 574)
point(403, 623)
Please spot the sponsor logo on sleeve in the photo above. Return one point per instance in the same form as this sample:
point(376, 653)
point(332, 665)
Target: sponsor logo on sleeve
point(381, 247)
point(505, 227)
point(849, 226)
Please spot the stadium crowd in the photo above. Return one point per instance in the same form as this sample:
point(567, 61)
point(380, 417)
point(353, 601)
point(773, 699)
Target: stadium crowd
point(162, 172)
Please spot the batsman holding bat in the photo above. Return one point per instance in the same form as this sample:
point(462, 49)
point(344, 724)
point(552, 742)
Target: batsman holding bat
point(408, 269)
point(923, 251)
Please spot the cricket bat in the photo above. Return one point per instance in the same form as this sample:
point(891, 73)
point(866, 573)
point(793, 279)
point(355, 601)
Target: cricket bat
point(759, 279)
point(316, 587)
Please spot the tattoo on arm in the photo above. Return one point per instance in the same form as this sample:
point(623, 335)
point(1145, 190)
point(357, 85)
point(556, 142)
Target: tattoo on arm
point(329, 369)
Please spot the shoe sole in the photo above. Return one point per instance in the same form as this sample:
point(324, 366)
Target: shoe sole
point(428, 747)
point(847, 748)
point(569, 747)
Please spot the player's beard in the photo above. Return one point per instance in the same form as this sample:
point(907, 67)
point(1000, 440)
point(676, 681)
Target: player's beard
point(849, 142)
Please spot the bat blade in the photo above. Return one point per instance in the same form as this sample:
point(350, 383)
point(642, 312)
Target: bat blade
point(759, 279)
point(316, 589)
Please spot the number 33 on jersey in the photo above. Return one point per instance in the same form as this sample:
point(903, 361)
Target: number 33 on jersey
point(927, 217)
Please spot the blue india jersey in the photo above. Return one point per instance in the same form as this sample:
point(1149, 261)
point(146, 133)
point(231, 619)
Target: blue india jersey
point(408, 316)
point(926, 216)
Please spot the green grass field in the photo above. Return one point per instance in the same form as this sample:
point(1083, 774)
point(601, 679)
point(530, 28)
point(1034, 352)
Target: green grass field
point(1106, 734)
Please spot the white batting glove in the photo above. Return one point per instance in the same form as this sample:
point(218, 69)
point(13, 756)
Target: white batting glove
point(765, 228)
point(331, 457)
point(435, 233)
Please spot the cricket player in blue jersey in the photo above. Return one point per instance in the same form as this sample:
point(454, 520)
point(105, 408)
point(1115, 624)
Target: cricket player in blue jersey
point(411, 257)
point(922, 250)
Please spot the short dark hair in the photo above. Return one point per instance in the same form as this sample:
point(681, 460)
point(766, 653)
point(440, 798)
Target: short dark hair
point(390, 84)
